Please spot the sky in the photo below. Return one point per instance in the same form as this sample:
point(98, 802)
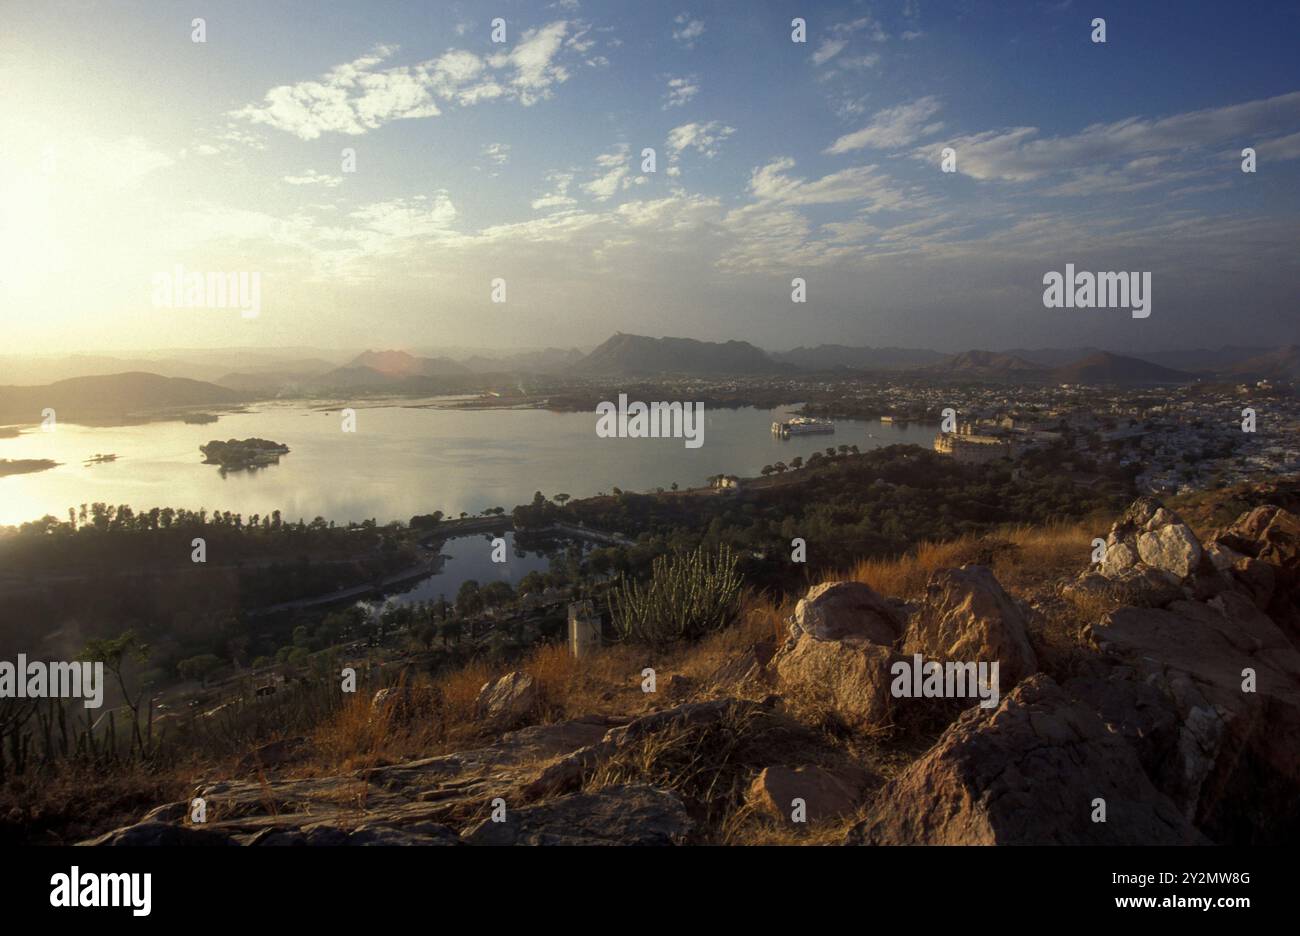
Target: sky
point(378, 165)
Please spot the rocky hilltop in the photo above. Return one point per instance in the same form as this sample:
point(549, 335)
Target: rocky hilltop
point(1153, 698)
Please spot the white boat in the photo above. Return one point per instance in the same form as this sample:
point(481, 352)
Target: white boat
point(802, 425)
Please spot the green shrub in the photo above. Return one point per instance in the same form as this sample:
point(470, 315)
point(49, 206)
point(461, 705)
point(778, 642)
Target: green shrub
point(688, 595)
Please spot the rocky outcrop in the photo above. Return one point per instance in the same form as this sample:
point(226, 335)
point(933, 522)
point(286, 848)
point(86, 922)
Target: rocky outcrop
point(507, 701)
point(567, 772)
point(1150, 533)
point(1138, 586)
point(1261, 551)
point(826, 794)
point(1029, 773)
point(1230, 680)
point(448, 790)
point(968, 617)
point(619, 815)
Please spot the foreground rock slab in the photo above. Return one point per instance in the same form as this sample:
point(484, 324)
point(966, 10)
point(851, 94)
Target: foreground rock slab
point(1232, 680)
point(1029, 773)
point(619, 815)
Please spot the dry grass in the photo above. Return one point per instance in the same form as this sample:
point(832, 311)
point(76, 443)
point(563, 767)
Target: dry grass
point(1020, 557)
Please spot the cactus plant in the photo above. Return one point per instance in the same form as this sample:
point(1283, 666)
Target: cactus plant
point(688, 594)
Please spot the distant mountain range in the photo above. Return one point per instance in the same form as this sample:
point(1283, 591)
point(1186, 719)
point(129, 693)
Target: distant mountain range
point(832, 356)
point(1282, 364)
point(261, 374)
point(111, 396)
point(1106, 368)
point(985, 364)
point(639, 356)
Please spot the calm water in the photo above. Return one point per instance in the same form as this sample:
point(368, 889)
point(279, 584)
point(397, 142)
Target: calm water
point(470, 557)
point(402, 460)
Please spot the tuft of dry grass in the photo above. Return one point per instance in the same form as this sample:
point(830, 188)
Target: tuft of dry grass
point(1020, 556)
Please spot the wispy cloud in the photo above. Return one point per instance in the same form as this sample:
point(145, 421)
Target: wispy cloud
point(892, 128)
point(680, 90)
point(688, 30)
point(359, 96)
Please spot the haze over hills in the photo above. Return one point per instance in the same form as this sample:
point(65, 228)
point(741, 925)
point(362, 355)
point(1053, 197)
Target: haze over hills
point(838, 356)
point(1104, 367)
point(263, 373)
point(639, 356)
point(1281, 364)
point(112, 395)
point(985, 364)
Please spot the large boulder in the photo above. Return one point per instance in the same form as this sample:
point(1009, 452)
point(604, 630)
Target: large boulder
point(1029, 773)
point(968, 617)
point(846, 611)
point(839, 653)
point(507, 701)
point(826, 794)
point(847, 678)
point(1232, 680)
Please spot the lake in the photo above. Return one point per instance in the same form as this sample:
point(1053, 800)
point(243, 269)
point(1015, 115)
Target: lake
point(470, 558)
point(402, 460)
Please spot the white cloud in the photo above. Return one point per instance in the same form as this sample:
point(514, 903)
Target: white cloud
point(680, 90)
point(358, 96)
point(892, 127)
point(497, 153)
point(704, 138)
point(863, 184)
point(828, 50)
point(312, 177)
point(688, 30)
point(1019, 154)
point(614, 178)
point(558, 197)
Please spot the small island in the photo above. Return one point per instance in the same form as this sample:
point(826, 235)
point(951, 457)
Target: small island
point(243, 454)
point(24, 465)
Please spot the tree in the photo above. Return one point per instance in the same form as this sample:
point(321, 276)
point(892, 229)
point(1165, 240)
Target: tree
point(495, 594)
point(199, 667)
point(468, 599)
point(449, 630)
point(561, 499)
point(114, 654)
